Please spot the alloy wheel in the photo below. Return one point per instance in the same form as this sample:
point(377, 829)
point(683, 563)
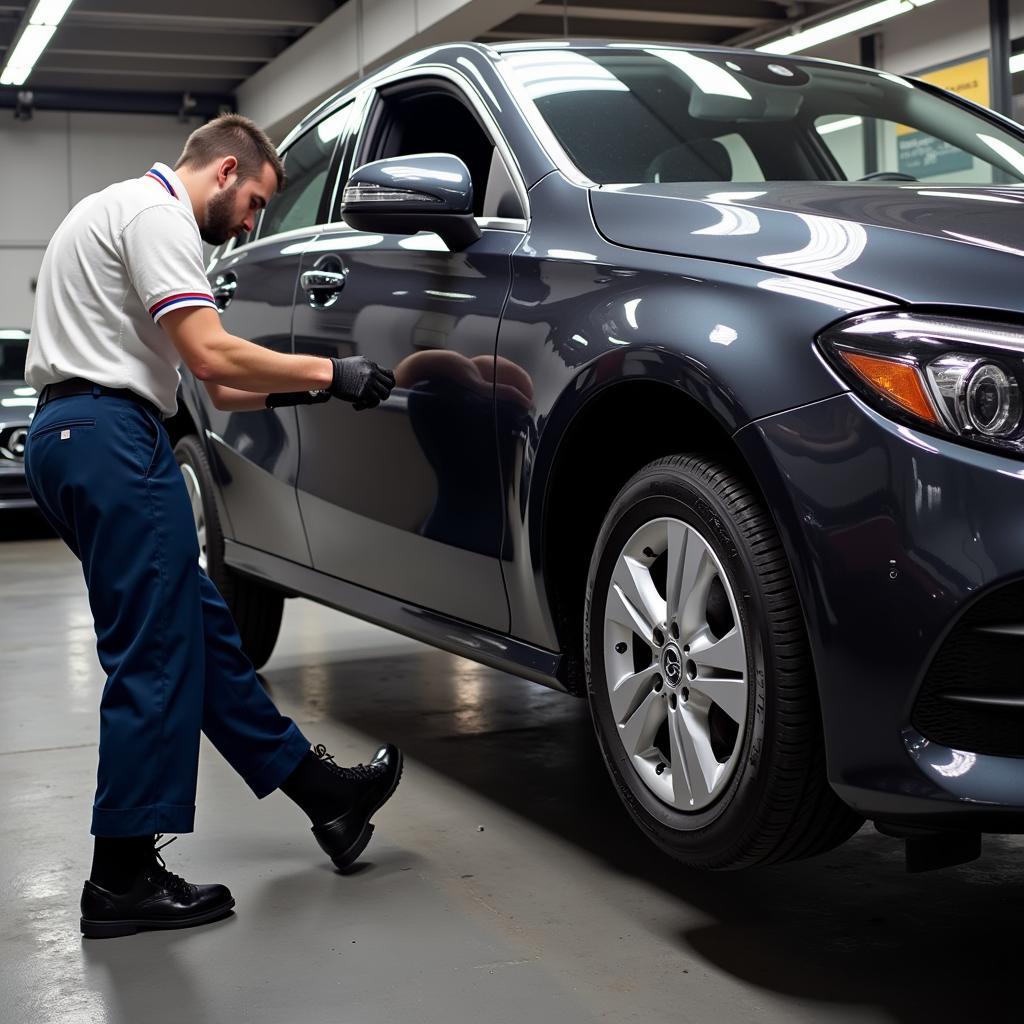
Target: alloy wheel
point(195, 497)
point(675, 660)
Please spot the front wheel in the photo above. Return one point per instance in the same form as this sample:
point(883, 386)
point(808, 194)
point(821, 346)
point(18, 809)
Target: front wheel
point(256, 609)
point(699, 674)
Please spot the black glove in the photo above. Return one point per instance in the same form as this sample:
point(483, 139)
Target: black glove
point(361, 382)
point(279, 398)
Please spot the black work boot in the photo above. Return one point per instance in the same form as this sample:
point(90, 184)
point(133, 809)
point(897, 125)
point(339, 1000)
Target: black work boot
point(340, 801)
point(157, 899)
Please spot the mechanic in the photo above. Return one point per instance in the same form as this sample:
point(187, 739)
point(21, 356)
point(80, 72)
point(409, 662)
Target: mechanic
point(122, 299)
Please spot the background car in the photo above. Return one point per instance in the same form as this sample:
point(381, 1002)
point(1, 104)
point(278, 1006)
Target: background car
point(17, 404)
point(708, 411)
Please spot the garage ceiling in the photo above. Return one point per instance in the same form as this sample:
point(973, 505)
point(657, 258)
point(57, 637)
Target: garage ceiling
point(205, 46)
point(209, 47)
point(689, 21)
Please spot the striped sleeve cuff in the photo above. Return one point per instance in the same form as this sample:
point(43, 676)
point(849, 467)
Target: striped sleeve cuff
point(178, 300)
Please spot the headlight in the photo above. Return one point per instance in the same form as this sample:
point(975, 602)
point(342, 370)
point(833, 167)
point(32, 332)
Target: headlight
point(957, 377)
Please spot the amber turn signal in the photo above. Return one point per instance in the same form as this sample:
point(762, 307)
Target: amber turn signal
point(899, 382)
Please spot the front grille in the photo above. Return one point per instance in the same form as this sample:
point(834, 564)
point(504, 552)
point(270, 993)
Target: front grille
point(12, 443)
point(13, 487)
point(972, 697)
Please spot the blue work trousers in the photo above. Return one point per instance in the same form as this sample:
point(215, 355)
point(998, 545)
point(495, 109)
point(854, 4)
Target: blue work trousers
point(102, 471)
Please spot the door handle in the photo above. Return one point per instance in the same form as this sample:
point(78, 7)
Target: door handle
point(224, 290)
point(322, 287)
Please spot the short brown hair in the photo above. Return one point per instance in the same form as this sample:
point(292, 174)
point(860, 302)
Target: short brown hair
point(237, 136)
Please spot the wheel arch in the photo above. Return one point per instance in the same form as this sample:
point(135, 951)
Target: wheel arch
point(610, 436)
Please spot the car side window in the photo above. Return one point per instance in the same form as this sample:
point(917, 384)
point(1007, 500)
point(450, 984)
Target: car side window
point(306, 164)
point(432, 118)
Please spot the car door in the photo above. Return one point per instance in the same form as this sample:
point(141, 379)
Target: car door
point(406, 499)
point(256, 454)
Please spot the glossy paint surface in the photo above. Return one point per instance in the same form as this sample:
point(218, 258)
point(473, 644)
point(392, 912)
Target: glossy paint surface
point(428, 514)
point(921, 244)
point(438, 178)
point(256, 454)
point(891, 534)
point(405, 499)
point(585, 315)
point(17, 406)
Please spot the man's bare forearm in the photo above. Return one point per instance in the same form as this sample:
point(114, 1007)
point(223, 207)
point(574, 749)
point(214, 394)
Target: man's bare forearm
point(216, 357)
point(237, 363)
point(234, 399)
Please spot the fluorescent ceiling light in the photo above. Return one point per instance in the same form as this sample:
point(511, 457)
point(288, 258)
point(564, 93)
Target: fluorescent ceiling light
point(838, 126)
point(1016, 63)
point(35, 36)
point(49, 12)
point(841, 26)
point(707, 76)
point(546, 74)
point(30, 45)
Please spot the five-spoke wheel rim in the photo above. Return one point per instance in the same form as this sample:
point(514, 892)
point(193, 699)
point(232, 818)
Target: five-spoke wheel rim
point(195, 497)
point(675, 660)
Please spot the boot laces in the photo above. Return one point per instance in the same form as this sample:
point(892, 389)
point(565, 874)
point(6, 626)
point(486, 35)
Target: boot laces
point(162, 875)
point(358, 772)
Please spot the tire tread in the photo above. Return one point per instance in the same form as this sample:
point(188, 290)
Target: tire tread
point(800, 815)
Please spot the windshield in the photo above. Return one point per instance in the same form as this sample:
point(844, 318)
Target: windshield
point(659, 115)
point(13, 346)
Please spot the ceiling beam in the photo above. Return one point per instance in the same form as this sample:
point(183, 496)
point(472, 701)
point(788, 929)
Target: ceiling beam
point(302, 13)
point(78, 39)
point(70, 79)
point(147, 67)
point(676, 17)
point(600, 28)
point(138, 101)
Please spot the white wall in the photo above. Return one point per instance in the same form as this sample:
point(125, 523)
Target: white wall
point(359, 36)
point(50, 162)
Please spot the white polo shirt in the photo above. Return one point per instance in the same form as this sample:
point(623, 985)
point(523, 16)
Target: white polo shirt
point(120, 259)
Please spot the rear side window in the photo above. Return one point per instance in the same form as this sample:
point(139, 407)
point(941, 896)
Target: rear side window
point(306, 165)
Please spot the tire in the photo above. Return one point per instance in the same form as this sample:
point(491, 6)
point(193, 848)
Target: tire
point(256, 609)
point(735, 774)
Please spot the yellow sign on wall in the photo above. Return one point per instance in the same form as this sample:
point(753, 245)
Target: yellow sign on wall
point(969, 80)
point(921, 154)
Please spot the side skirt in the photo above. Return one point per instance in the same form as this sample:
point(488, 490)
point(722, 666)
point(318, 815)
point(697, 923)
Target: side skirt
point(448, 634)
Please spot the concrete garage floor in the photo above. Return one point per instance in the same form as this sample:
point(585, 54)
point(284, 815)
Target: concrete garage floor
point(557, 911)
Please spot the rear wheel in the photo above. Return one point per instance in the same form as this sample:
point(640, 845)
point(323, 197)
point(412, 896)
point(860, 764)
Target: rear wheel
point(256, 609)
point(699, 674)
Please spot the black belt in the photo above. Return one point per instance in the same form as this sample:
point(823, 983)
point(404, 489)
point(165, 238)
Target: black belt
point(81, 386)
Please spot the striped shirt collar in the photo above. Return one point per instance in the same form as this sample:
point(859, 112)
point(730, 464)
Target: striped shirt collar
point(163, 176)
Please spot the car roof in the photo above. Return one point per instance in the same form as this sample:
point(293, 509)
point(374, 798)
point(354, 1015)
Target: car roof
point(492, 50)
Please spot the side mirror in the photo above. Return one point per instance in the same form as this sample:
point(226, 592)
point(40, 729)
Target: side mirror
point(406, 194)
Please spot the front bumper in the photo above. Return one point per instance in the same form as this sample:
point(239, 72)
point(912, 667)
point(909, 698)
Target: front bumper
point(893, 536)
point(14, 492)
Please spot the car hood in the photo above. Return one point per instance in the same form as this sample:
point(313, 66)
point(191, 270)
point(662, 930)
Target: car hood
point(923, 244)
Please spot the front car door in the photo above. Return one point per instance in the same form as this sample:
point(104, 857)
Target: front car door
point(406, 499)
point(256, 454)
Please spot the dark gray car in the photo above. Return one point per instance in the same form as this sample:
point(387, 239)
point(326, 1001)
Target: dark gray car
point(17, 405)
point(709, 410)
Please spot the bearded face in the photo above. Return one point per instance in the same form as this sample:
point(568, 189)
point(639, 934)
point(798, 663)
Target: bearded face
point(222, 218)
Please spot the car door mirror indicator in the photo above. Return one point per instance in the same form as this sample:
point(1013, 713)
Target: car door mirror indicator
point(406, 194)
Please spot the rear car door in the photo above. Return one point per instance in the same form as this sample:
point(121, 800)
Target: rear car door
point(256, 454)
point(406, 499)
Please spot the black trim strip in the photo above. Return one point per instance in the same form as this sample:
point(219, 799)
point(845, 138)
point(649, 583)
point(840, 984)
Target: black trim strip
point(449, 634)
